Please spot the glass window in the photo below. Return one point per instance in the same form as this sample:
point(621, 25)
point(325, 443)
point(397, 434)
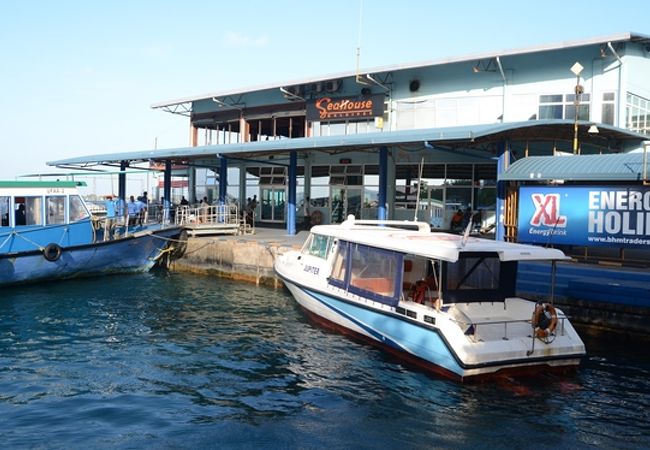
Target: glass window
point(473, 273)
point(55, 210)
point(5, 201)
point(375, 273)
point(78, 210)
point(550, 98)
point(563, 106)
point(33, 208)
point(638, 114)
point(319, 245)
point(550, 112)
point(339, 268)
point(609, 108)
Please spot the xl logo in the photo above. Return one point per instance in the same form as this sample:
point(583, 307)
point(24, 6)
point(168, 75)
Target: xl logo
point(547, 211)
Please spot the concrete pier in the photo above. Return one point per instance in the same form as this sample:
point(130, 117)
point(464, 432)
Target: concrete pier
point(245, 258)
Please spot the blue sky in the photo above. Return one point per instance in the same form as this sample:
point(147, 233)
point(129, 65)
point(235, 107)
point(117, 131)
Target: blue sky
point(79, 77)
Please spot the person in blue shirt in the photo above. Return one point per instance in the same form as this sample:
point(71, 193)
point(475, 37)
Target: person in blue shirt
point(111, 214)
point(134, 209)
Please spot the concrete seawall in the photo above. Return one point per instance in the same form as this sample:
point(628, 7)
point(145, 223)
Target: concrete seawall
point(244, 258)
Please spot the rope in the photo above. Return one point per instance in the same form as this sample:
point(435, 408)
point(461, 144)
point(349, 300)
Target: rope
point(6, 240)
point(28, 240)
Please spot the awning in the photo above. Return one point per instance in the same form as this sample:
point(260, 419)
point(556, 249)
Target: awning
point(612, 167)
point(466, 137)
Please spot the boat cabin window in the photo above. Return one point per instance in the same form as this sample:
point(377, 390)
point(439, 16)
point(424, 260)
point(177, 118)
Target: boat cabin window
point(368, 272)
point(318, 245)
point(33, 211)
point(479, 277)
point(55, 210)
point(5, 202)
point(340, 266)
point(78, 210)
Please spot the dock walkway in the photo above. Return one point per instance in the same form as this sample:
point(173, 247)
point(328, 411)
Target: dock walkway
point(243, 257)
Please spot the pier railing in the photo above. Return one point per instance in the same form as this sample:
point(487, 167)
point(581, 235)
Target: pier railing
point(207, 219)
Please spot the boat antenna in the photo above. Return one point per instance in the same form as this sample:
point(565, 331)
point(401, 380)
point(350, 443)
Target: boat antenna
point(417, 196)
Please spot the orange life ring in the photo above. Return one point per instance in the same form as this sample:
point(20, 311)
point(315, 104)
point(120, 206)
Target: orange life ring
point(544, 319)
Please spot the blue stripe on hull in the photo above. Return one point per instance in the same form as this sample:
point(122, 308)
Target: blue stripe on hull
point(128, 255)
point(393, 332)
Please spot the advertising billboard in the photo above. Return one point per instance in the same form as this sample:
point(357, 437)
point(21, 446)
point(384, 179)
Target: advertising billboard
point(592, 216)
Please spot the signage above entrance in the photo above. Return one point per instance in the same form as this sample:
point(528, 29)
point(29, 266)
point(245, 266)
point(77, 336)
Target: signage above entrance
point(341, 108)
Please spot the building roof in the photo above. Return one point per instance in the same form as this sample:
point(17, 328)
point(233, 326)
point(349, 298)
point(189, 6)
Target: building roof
point(450, 137)
point(612, 167)
point(620, 37)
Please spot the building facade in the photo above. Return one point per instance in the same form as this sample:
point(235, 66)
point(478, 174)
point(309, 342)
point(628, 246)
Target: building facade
point(600, 81)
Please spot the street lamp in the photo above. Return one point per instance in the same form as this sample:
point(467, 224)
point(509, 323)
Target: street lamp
point(577, 70)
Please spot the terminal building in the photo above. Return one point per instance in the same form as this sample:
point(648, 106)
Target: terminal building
point(418, 140)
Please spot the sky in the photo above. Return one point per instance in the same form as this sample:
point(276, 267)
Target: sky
point(79, 77)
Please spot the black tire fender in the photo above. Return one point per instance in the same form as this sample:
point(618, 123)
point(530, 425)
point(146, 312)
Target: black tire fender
point(52, 252)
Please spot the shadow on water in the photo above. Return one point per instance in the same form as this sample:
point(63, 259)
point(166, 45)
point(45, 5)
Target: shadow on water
point(171, 360)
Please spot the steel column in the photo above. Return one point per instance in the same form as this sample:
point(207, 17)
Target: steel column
point(383, 183)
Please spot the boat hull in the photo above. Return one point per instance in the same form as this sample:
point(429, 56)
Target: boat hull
point(424, 347)
point(138, 252)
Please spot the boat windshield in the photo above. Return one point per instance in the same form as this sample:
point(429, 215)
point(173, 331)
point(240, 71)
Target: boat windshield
point(78, 210)
point(317, 245)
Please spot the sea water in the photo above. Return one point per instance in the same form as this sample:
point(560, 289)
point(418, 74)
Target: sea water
point(177, 361)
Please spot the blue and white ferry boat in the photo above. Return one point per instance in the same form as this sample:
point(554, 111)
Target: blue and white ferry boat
point(442, 301)
point(48, 233)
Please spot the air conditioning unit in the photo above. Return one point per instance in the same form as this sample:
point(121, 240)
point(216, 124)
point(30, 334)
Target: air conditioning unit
point(333, 85)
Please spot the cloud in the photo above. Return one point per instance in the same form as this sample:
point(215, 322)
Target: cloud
point(241, 40)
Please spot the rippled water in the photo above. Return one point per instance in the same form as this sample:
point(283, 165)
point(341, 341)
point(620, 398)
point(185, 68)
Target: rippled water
point(178, 361)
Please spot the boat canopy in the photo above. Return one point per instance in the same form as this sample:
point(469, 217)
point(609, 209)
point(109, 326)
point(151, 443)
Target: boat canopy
point(443, 246)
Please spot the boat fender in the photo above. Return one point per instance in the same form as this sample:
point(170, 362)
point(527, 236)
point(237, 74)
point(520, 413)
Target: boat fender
point(544, 319)
point(52, 252)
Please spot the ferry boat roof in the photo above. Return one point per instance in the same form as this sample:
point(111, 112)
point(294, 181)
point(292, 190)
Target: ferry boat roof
point(40, 184)
point(388, 235)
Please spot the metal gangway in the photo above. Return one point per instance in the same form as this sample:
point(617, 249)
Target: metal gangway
point(205, 220)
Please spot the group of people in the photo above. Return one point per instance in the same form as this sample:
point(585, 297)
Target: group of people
point(136, 209)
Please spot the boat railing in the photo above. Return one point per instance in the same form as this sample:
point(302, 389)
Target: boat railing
point(471, 327)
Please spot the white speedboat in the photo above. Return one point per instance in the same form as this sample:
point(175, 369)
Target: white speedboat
point(442, 301)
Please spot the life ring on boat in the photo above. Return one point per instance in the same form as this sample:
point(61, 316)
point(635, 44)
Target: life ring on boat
point(316, 217)
point(544, 320)
point(52, 252)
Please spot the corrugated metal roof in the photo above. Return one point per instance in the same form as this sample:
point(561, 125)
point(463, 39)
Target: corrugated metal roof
point(627, 36)
point(464, 135)
point(613, 167)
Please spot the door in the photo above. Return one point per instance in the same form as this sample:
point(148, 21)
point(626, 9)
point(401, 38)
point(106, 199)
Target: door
point(345, 201)
point(273, 204)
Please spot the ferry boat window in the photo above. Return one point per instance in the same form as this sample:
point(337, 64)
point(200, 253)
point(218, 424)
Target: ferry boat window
point(33, 211)
point(375, 273)
point(4, 210)
point(55, 210)
point(77, 209)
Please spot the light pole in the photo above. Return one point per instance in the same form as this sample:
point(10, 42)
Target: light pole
point(577, 70)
